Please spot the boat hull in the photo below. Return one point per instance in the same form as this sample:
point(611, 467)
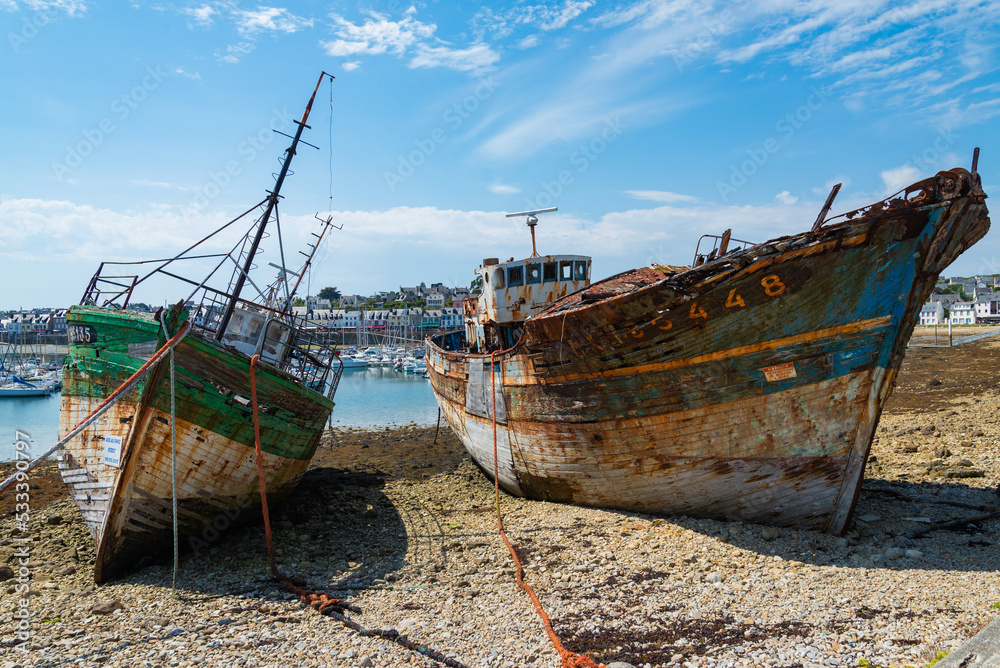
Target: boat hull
point(119, 469)
point(748, 390)
point(25, 391)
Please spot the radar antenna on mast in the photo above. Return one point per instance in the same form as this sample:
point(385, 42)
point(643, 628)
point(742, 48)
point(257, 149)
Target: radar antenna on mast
point(532, 221)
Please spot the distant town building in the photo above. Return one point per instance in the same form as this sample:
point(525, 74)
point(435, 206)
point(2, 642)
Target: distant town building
point(988, 308)
point(313, 303)
point(945, 298)
point(962, 313)
point(932, 313)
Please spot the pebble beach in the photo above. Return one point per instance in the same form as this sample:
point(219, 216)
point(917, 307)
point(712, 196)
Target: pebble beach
point(404, 530)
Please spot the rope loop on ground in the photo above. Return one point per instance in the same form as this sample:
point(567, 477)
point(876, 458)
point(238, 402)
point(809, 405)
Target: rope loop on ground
point(569, 659)
point(394, 636)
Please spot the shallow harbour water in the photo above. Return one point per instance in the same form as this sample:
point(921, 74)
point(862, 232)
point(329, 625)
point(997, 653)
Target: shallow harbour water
point(366, 397)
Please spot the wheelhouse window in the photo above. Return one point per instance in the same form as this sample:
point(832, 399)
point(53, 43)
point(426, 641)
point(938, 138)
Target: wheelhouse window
point(534, 273)
point(550, 272)
point(515, 276)
point(498, 279)
point(580, 271)
point(566, 270)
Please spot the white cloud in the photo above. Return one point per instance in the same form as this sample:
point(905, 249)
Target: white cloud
point(147, 183)
point(504, 189)
point(184, 73)
point(902, 57)
point(450, 243)
point(202, 15)
point(234, 52)
point(786, 198)
point(559, 18)
point(664, 196)
point(529, 42)
point(379, 35)
point(351, 65)
point(502, 23)
point(899, 177)
point(76, 231)
point(626, 74)
point(269, 18)
point(824, 190)
point(650, 14)
point(477, 59)
point(376, 35)
point(67, 7)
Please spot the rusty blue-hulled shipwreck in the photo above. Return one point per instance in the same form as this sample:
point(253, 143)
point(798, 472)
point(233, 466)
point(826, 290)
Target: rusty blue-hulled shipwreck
point(745, 387)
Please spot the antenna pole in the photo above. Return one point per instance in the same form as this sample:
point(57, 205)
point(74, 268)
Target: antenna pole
point(272, 201)
point(532, 221)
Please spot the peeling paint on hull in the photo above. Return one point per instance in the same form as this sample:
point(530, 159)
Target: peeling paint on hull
point(748, 388)
point(127, 504)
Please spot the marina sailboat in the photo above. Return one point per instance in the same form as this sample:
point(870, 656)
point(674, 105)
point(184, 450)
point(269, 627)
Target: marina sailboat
point(747, 386)
point(119, 469)
point(20, 377)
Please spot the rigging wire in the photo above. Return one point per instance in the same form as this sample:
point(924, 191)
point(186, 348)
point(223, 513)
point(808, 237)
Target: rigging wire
point(281, 250)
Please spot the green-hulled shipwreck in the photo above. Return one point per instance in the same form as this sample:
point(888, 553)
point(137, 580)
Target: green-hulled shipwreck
point(121, 470)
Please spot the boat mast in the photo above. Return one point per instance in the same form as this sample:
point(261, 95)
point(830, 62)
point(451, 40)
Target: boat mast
point(272, 201)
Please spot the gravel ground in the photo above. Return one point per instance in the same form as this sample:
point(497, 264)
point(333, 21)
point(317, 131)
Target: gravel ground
point(414, 547)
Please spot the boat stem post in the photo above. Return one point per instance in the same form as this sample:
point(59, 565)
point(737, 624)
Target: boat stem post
point(821, 218)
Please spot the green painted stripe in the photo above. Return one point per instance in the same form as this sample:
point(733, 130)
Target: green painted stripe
point(213, 387)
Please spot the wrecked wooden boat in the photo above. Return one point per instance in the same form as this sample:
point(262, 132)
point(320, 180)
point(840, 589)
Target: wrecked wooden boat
point(746, 387)
point(120, 469)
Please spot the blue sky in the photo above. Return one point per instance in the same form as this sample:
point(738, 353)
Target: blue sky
point(129, 131)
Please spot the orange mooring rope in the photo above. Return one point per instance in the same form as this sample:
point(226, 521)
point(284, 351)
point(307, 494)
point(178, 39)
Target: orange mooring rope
point(569, 659)
point(318, 600)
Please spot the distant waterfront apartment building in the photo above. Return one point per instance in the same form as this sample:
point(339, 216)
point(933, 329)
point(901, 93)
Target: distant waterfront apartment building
point(932, 313)
point(962, 313)
point(959, 313)
point(988, 308)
